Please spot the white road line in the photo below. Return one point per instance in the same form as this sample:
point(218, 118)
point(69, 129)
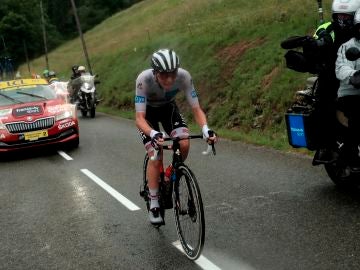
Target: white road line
point(201, 261)
point(64, 155)
point(128, 204)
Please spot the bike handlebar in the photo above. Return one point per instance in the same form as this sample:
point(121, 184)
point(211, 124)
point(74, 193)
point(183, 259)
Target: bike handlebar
point(210, 147)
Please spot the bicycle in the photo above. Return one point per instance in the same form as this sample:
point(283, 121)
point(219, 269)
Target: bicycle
point(185, 198)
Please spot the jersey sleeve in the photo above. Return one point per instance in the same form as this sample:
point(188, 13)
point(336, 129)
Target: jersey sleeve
point(344, 68)
point(190, 92)
point(140, 94)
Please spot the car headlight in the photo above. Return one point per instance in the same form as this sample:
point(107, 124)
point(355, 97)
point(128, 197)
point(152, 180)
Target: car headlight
point(64, 115)
point(5, 112)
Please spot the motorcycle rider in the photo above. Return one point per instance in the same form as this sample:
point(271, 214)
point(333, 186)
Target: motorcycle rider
point(348, 72)
point(45, 73)
point(81, 70)
point(74, 83)
point(156, 89)
point(320, 53)
point(51, 77)
point(74, 72)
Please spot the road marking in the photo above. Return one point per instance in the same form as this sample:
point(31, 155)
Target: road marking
point(128, 204)
point(203, 262)
point(64, 155)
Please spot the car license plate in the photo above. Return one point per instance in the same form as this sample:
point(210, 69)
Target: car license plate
point(35, 135)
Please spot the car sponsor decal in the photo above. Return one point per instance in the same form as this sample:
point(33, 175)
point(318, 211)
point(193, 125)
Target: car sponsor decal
point(56, 109)
point(35, 135)
point(22, 82)
point(66, 125)
point(27, 110)
point(139, 99)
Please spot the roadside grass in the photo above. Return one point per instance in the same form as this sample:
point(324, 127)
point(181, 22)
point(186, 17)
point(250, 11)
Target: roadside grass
point(231, 48)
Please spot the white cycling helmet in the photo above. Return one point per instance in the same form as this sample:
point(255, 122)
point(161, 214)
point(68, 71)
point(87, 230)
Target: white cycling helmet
point(357, 24)
point(357, 17)
point(165, 60)
point(341, 8)
point(81, 68)
point(345, 6)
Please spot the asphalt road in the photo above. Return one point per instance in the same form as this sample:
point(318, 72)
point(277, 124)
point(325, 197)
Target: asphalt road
point(263, 209)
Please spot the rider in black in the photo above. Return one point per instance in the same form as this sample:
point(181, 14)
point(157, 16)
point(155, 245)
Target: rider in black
point(319, 56)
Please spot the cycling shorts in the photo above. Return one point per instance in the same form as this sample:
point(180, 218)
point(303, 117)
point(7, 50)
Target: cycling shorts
point(171, 120)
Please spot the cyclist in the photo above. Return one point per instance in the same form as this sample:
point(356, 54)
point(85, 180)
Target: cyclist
point(45, 73)
point(51, 78)
point(156, 89)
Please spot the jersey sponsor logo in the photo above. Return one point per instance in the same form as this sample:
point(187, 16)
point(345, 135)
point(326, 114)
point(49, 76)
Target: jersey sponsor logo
point(139, 99)
point(140, 86)
point(193, 93)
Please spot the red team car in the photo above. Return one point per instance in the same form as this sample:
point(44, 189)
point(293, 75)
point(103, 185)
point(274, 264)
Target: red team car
point(32, 115)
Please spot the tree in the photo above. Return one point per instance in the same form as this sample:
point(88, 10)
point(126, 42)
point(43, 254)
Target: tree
point(21, 21)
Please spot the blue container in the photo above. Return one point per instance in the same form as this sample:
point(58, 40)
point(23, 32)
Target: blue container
point(296, 130)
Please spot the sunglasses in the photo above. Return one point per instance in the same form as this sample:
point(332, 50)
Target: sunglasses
point(165, 75)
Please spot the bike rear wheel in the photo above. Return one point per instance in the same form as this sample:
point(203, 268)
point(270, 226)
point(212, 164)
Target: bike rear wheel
point(189, 212)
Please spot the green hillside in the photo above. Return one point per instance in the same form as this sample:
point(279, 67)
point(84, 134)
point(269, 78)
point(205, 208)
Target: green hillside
point(231, 47)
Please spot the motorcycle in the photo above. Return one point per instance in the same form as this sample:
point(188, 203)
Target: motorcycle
point(84, 94)
point(301, 128)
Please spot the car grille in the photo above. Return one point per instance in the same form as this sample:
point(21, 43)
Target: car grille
point(17, 127)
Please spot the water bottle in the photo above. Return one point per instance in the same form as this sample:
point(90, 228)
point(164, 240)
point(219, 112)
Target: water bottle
point(168, 187)
point(167, 173)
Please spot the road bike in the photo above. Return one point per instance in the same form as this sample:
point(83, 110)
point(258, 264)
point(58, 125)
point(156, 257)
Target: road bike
point(182, 193)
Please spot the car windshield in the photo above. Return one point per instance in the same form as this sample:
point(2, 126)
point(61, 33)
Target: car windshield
point(26, 94)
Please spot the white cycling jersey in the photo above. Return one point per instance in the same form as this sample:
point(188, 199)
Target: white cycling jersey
point(150, 93)
point(345, 69)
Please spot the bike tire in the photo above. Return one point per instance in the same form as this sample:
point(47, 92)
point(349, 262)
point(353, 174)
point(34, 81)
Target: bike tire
point(92, 112)
point(189, 212)
point(92, 106)
point(83, 113)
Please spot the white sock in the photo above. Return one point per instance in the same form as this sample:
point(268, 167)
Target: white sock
point(154, 198)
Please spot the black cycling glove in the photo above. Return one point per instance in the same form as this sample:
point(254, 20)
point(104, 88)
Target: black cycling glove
point(155, 138)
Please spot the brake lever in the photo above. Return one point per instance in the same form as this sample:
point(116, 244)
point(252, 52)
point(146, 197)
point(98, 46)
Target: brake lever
point(210, 148)
point(154, 157)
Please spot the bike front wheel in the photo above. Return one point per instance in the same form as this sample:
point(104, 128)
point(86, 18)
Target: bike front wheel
point(189, 212)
